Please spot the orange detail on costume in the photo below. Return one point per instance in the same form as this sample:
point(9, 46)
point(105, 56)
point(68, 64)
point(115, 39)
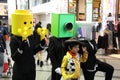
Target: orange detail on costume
point(72, 54)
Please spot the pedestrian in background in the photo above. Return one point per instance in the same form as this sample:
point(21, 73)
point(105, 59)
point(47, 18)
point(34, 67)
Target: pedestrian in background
point(3, 38)
point(37, 37)
point(49, 31)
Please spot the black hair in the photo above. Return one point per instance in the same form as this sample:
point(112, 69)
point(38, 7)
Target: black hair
point(110, 14)
point(49, 27)
point(70, 45)
point(38, 25)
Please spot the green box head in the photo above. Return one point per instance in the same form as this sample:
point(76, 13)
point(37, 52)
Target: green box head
point(62, 25)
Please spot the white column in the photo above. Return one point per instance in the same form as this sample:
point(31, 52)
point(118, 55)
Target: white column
point(89, 10)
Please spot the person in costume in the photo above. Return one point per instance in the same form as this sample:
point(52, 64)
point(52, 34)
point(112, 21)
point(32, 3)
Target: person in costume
point(93, 65)
point(70, 67)
point(23, 46)
point(48, 35)
point(39, 54)
point(62, 28)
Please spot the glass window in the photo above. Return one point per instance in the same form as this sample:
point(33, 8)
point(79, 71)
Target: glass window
point(96, 10)
point(23, 4)
point(37, 2)
point(3, 1)
point(44, 1)
point(72, 6)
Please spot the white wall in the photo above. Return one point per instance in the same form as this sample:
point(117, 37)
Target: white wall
point(43, 18)
point(11, 9)
point(44, 10)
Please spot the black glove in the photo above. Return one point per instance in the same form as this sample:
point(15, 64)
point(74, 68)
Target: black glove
point(23, 45)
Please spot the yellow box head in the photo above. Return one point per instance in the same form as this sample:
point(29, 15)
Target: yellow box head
point(22, 23)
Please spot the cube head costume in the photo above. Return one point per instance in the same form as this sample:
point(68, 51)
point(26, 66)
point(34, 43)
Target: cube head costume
point(62, 28)
point(22, 23)
point(62, 25)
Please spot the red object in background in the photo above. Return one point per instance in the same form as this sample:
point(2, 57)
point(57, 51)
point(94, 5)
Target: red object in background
point(5, 67)
point(6, 37)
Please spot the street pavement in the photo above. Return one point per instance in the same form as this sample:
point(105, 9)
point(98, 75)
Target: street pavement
point(44, 73)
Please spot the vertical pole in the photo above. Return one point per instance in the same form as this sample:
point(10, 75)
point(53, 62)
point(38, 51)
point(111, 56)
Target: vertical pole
point(77, 9)
point(68, 6)
point(16, 4)
point(28, 4)
point(117, 8)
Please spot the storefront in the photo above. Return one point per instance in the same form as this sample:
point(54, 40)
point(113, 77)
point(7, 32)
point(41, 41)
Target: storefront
point(118, 9)
point(87, 13)
point(85, 10)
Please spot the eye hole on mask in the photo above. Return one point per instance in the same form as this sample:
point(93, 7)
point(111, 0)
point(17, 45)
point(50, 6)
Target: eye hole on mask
point(30, 22)
point(25, 22)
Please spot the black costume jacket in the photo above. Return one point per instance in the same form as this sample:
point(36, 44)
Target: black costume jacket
point(92, 49)
point(24, 63)
point(56, 51)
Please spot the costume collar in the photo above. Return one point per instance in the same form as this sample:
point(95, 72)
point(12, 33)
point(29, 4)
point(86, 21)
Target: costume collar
point(72, 54)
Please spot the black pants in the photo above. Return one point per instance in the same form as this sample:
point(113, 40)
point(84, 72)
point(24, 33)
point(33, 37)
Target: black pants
point(104, 67)
point(24, 76)
point(55, 76)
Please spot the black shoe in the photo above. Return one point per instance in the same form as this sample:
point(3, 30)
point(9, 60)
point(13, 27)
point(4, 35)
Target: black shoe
point(37, 62)
point(41, 63)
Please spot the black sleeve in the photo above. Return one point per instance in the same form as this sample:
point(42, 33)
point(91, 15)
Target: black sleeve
point(52, 53)
point(56, 51)
point(14, 45)
point(38, 48)
point(37, 44)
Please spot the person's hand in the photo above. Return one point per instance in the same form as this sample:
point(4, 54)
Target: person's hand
point(57, 70)
point(47, 40)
